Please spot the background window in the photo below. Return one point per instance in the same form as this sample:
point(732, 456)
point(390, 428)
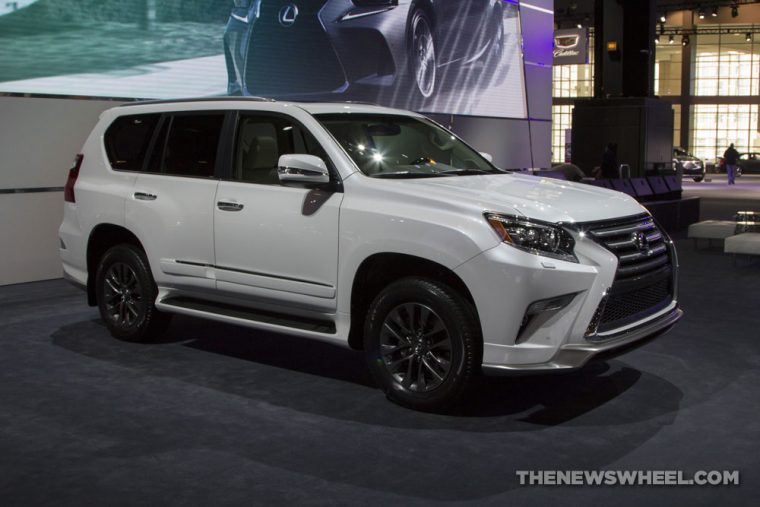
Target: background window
point(127, 140)
point(715, 126)
point(562, 120)
point(726, 65)
point(667, 69)
point(192, 145)
point(260, 143)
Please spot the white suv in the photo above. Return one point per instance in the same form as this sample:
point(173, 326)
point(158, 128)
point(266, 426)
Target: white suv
point(361, 226)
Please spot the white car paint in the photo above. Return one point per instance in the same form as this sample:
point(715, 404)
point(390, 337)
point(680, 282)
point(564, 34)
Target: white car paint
point(270, 256)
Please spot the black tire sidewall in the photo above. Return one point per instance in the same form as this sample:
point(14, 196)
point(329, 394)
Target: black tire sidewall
point(412, 63)
point(458, 318)
point(135, 259)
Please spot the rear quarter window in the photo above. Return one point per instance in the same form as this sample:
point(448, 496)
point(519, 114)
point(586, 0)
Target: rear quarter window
point(127, 140)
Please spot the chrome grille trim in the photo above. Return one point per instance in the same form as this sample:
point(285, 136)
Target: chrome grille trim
point(645, 279)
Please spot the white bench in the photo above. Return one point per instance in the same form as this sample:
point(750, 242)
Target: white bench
point(747, 243)
point(711, 229)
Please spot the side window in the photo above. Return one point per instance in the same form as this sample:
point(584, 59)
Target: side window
point(192, 145)
point(127, 140)
point(261, 140)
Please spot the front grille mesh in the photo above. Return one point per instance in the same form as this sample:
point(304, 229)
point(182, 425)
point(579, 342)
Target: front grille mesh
point(623, 306)
point(644, 280)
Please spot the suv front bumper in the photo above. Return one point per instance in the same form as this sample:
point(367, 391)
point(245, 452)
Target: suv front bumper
point(573, 356)
point(505, 283)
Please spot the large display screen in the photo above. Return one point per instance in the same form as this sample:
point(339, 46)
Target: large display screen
point(460, 57)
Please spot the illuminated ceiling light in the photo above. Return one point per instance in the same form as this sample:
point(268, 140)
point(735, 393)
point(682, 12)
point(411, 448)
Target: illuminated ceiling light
point(663, 17)
point(685, 40)
point(701, 13)
point(671, 39)
point(579, 25)
point(656, 39)
point(734, 11)
point(748, 37)
point(714, 12)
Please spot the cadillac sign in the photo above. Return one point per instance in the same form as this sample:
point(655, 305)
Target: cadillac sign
point(571, 46)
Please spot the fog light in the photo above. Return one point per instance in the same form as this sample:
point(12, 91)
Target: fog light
point(542, 307)
point(550, 305)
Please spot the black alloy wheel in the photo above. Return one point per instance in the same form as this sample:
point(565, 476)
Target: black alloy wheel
point(423, 54)
point(422, 344)
point(126, 294)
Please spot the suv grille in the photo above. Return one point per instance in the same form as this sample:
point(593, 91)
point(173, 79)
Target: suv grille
point(644, 280)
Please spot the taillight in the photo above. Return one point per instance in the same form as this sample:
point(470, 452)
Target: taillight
point(68, 190)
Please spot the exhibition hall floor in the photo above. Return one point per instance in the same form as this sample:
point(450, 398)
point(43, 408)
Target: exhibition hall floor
point(222, 415)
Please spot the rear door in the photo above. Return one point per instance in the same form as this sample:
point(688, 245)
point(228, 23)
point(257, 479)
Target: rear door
point(171, 208)
point(275, 244)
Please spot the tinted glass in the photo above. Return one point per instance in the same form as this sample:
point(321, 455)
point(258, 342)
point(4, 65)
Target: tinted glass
point(127, 140)
point(262, 140)
point(386, 146)
point(192, 145)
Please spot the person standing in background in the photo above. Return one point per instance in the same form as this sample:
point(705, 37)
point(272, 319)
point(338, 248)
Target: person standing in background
point(609, 168)
point(731, 158)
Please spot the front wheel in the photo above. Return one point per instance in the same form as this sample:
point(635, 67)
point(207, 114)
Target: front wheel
point(422, 344)
point(698, 178)
point(126, 294)
point(422, 54)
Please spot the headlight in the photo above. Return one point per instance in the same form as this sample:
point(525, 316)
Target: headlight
point(538, 238)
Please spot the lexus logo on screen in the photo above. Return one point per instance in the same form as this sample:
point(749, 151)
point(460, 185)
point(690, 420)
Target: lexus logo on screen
point(288, 15)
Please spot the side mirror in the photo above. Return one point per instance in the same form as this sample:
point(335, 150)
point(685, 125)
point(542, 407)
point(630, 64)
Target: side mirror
point(487, 156)
point(302, 170)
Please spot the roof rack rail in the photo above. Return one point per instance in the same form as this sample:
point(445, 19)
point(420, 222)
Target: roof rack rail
point(197, 99)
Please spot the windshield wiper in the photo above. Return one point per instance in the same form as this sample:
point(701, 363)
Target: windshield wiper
point(408, 174)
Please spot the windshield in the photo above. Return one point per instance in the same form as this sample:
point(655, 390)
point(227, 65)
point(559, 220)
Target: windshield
point(387, 146)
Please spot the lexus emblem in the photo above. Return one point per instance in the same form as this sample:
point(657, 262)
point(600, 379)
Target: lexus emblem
point(640, 241)
point(288, 15)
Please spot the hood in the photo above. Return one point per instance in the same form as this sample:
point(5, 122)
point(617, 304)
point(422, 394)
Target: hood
point(687, 158)
point(544, 199)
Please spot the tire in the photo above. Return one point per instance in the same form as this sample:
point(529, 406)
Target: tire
point(126, 294)
point(697, 179)
point(422, 344)
point(422, 53)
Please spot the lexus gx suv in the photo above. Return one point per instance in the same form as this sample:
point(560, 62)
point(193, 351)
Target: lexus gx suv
point(362, 226)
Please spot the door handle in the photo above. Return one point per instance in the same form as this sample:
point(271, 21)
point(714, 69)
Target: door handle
point(229, 206)
point(144, 196)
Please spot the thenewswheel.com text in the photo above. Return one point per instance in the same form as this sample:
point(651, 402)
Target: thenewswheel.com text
point(627, 478)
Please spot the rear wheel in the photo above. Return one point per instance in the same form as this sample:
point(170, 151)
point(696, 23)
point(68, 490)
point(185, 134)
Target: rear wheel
point(126, 295)
point(698, 178)
point(422, 344)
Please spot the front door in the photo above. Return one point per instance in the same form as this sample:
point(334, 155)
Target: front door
point(275, 244)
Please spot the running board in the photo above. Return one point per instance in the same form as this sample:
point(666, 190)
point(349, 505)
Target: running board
point(248, 314)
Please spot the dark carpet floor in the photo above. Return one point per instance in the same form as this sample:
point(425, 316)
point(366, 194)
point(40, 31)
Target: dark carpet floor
point(218, 415)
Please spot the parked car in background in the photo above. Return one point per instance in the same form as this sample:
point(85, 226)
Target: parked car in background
point(689, 165)
point(749, 163)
